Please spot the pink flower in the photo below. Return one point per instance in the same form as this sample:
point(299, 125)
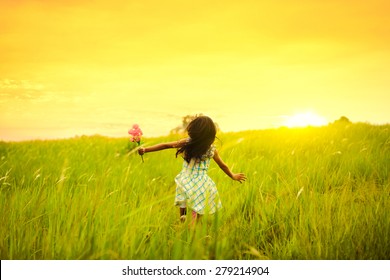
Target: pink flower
point(136, 133)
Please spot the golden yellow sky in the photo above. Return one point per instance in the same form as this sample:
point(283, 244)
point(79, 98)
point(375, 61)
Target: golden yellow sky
point(97, 67)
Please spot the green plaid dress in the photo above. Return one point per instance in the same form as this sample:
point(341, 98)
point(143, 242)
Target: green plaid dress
point(195, 189)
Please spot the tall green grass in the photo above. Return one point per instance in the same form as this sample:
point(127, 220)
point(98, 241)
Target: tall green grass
point(311, 193)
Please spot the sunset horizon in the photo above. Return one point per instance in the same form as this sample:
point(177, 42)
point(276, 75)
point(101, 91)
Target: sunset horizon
point(72, 68)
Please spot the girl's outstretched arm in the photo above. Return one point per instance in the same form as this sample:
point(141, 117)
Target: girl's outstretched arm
point(162, 146)
point(235, 176)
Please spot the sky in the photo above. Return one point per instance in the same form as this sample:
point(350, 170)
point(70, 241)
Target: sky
point(82, 67)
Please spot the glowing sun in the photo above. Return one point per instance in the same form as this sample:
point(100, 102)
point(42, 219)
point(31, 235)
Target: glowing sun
point(304, 119)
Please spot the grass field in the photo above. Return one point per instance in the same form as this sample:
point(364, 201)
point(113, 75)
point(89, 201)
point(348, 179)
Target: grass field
point(311, 193)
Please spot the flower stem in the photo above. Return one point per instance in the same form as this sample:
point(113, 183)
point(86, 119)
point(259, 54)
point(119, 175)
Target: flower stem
point(142, 156)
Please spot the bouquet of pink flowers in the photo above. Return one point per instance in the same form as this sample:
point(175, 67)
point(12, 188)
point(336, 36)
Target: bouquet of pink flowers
point(136, 134)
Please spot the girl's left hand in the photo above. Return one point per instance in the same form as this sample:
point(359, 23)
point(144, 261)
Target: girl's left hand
point(240, 177)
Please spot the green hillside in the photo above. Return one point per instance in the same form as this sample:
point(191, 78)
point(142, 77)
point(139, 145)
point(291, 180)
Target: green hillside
point(311, 193)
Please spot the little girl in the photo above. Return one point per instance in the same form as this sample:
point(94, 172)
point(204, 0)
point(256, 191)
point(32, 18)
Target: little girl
point(194, 188)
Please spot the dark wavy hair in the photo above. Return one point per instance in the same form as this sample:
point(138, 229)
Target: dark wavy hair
point(201, 131)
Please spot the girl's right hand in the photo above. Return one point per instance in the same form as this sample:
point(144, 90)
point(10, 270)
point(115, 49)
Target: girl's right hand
point(141, 151)
point(240, 177)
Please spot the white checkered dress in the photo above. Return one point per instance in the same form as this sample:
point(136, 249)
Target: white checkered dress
point(195, 189)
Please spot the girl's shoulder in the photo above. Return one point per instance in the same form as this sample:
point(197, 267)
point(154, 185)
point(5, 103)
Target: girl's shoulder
point(182, 142)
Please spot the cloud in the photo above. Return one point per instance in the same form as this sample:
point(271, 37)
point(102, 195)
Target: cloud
point(27, 91)
point(20, 84)
point(20, 90)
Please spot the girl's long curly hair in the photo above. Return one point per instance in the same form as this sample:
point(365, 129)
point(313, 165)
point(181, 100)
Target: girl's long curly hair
point(201, 131)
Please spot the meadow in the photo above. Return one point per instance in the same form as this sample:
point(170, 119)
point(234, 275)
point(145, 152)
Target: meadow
point(311, 193)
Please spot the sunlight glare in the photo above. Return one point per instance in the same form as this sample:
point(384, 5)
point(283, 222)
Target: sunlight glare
point(304, 119)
